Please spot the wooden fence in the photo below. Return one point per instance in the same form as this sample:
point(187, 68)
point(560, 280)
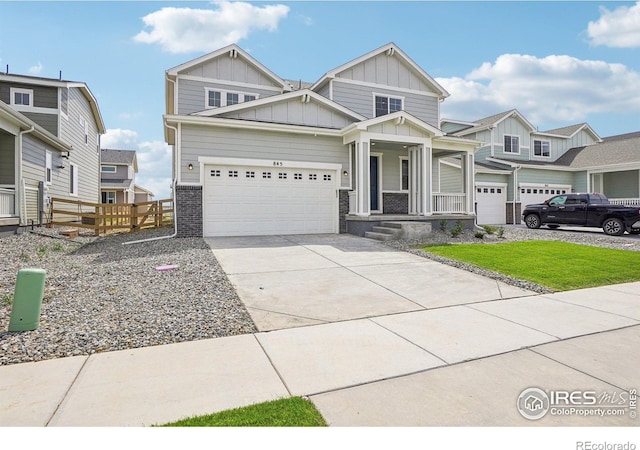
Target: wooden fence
point(104, 217)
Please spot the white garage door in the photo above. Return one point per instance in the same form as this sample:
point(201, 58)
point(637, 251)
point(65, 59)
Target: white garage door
point(253, 201)
point(531, 194)
point(491, 204)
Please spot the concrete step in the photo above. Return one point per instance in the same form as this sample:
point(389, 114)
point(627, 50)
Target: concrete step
point(396, 225)
point(387, 230)
point(378, 236)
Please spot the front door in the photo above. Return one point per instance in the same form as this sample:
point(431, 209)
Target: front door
point(374, 184)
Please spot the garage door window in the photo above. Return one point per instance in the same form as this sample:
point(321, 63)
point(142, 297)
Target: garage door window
point(327, 177)
point(215, 173)
point(266, 175)
point(233, 174)
point(250, 174)
point(313, 176)
point(282, 175)
point(297, 176)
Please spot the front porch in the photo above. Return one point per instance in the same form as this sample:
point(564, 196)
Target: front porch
point(413, 226)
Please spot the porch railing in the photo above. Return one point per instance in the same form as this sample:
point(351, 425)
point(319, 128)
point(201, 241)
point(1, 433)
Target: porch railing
point(625, 201)
point(448, 203)
point(7, 201)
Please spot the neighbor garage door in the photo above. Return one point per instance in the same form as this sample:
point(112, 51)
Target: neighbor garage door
point(491, 204)
point(252, 201)
point(532, 194)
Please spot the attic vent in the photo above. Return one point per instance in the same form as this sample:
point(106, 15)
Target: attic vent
point(391, 51)
point(305, 98)
point(400, 120)
point(233, 54)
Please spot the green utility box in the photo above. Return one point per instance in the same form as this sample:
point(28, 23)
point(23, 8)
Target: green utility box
point(27, 300)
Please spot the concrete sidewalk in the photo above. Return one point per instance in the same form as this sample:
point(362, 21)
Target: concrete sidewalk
point(457, 365)
point(374, 336)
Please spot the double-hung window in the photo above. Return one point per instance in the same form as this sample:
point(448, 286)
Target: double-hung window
point(73, 179)
point(511, 144)
point(47, 167)
point(404, 174)
point(386, 105)
point(541, 148)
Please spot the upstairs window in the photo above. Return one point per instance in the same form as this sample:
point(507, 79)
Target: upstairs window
point(541, 148)
point(64, 101)
point(387, 105)
point(21, 97)
point(219, 98)
point(511, 144)
point(108, 169)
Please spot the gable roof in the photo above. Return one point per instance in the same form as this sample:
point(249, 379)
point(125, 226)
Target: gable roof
point(280, 98)
point(391, 49)
point(493, 121)
point(570, 131)
point(119, 157)
point(59, 83)
point(612, 152)
point(400, 118)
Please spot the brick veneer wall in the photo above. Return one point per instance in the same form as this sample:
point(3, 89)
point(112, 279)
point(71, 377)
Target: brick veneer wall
point(395, 203)
point(510, 213)
point(343, 209)
point(188, 211)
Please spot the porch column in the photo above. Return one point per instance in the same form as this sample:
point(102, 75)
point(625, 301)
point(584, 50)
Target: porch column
point(363, 202)
point(414, 181)
point(468, 181)
point(426, 154)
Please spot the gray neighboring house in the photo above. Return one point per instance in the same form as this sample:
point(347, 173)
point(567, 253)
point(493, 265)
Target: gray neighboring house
point(118, 170)
point(49, 146)
point(519, 165)
point(255, 154)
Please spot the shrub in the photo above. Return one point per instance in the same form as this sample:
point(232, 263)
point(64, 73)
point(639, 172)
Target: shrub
point(490, 229)
point(500, 232)
point(479, 235)
point(459, 228)
point(443, 225)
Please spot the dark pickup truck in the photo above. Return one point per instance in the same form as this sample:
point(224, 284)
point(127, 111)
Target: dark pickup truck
point(586, 210)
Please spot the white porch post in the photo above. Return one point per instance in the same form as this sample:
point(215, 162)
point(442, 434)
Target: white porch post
point(414, 192)
point(468, 181)
point(363, 202)
point(426, 155)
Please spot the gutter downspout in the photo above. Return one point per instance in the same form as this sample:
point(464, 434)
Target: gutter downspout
point(515, 192)
point(18, 178)
point(175, 216)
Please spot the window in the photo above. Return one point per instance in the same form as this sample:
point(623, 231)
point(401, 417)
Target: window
point(511, 144)
point(218, 99)
point(85, 127)
point(404, 174)
point(386, 105)
point(297, 176)
point(214, 99)
point(326, 177)
point(313, 176)
point(21, 97)
point(282, 175)
point(47, 167)
point(233, 174)
point(108, 169)
point(232, 99)
point(541, 148)
point(109, 197)
point(266, 175)
point(64, 101)
point(215, 172)
point(73, 179)
point(250, 174)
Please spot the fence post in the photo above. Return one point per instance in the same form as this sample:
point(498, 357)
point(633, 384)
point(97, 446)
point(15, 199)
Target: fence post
point(133, 218)
point(96, 220)
point(159, 214)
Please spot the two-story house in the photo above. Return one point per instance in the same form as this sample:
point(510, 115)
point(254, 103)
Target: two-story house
point(255, 154)
point(518, 165)
point(49, 146)
point(118, 170)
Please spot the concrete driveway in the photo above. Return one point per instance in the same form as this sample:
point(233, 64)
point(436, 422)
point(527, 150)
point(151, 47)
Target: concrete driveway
point(292, 281)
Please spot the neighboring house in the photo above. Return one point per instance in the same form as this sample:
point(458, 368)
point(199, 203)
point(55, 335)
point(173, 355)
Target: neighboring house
point(142, 194)
point(118, 170)
point(255, 154)
point(518, 165)
point(49, 146)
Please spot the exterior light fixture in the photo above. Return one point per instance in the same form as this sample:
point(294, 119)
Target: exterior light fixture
point(190, 166)
point(345, 173)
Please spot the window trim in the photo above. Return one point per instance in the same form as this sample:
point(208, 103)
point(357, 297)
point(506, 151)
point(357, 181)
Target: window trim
point(73, 179)
point(504, 144)
point(48, 167)
point(115, 168)
point(223, 97)
point(402, 159)
point(541, 155)
point(388, 97)
point(12, 97)
point(107, 197)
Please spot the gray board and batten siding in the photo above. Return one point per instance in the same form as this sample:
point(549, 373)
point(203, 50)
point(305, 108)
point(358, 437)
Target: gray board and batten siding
point(43, 96)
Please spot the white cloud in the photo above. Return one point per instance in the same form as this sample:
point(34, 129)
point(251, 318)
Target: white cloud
point(554, 89)
point(617, 28)
point(154, 159)
point(35, 70)
point(183, 30)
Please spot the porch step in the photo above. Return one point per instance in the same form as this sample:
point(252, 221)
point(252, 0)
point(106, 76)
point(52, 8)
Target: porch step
point(394, 231)
point(379, 236)
point(404, 230)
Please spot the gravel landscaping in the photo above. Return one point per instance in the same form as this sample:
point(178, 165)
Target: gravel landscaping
point(101, 295)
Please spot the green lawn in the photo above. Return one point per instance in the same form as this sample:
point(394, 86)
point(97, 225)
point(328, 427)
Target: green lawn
point(558, 265)
point(286, 412)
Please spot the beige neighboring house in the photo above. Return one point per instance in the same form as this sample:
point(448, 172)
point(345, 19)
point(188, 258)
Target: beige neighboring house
point(118, 170)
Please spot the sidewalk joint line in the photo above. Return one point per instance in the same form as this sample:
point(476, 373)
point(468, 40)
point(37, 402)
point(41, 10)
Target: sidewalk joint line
point(284, 383)
point(66, 392)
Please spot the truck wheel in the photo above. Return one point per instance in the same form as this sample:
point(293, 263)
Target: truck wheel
point(532, 221)
point(613, 227)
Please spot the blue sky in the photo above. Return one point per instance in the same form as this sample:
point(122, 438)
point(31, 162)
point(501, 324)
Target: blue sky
point(558, 63)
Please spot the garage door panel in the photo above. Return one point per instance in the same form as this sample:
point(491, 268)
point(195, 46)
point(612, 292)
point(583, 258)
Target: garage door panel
point(491, 205)
point(258, 201)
